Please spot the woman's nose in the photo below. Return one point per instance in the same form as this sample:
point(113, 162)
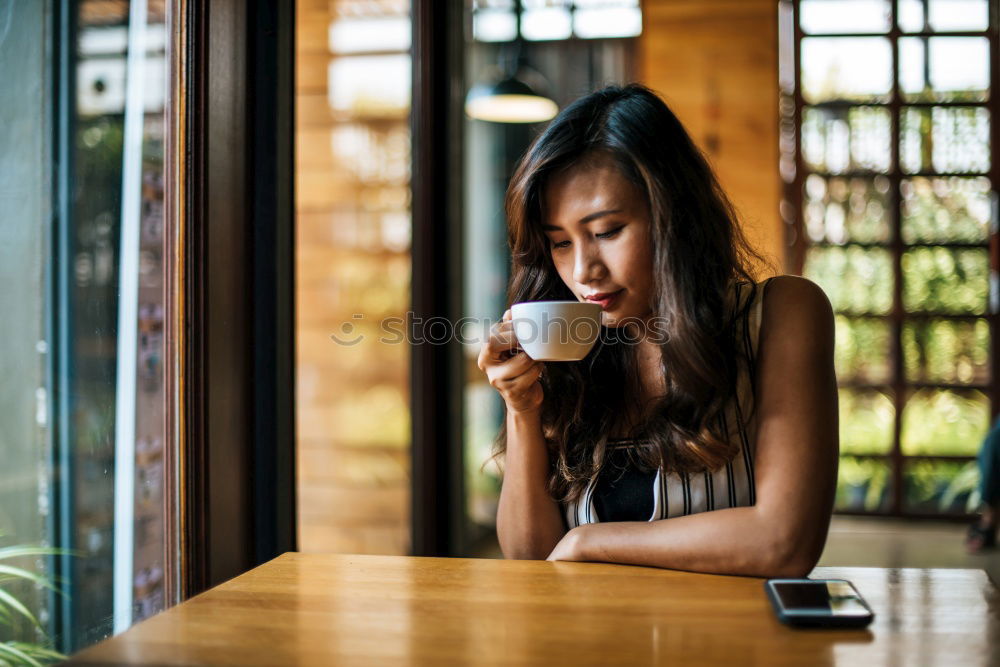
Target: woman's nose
point(588, 266)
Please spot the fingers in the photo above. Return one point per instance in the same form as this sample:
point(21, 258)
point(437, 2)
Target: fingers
point(502, 337)
point(516, 375)
point(500, 341)
point(523, 393)
point(514, 367)
point(501, 374)
point(529, 377)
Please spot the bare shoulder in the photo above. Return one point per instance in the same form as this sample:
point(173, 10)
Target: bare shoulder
point(786, 295)
point(800, 310)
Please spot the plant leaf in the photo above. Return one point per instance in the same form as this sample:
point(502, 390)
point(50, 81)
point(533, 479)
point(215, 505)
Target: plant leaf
point(21, 573)
point(21, 550)
point(23, 658)
point(40, 652)
point(16, 605)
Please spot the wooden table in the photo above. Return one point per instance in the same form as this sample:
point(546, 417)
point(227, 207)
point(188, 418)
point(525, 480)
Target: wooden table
point(305, 609)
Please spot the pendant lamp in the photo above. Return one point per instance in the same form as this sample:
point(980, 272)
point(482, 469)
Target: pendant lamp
point(510, 98)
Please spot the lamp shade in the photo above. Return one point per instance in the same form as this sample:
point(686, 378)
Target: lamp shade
point(509, 101)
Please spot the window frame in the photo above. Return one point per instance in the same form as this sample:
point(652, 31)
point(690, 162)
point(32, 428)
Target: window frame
point(792, 106)
point(229, 290)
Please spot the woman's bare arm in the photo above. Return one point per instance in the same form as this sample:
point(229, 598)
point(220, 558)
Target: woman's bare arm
point(795, 465)
point(528, 521)
point(529, 524)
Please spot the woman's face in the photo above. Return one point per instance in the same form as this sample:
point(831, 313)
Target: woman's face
point(598, 228)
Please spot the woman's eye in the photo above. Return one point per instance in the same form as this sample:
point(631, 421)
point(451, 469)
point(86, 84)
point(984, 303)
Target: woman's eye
point(611, 233)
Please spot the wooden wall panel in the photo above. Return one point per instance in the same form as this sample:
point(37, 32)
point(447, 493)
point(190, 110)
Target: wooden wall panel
point(716, 65)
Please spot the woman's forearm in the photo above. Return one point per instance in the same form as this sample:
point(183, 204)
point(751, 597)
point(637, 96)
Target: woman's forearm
point(529, 524)
point(740, 541)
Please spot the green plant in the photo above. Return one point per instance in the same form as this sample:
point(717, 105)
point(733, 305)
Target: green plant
point(13, 610)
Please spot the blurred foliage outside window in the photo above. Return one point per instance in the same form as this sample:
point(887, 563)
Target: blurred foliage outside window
point(913, 358)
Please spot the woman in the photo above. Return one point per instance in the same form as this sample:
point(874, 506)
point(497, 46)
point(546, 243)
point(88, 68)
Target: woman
point(724, 422)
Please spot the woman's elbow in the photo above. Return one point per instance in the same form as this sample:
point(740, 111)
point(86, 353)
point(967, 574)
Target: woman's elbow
point(521, 551)
point(792, 558)
point(523, 546)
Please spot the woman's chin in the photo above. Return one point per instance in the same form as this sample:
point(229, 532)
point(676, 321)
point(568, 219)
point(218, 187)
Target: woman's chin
point(613, 319)
point(621, 317)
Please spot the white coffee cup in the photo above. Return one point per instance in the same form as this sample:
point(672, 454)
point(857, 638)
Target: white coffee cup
point(556, 330)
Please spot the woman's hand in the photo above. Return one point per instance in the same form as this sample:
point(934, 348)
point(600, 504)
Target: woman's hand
point(510, 371)
point(570, 547)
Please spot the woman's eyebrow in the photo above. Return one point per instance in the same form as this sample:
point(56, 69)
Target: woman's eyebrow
point(585, 219)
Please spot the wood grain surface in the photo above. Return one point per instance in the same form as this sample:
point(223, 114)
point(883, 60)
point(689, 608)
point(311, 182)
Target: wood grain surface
point(315, 609)
point(716, 65)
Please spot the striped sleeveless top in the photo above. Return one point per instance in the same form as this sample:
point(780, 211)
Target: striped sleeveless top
point(622, 491)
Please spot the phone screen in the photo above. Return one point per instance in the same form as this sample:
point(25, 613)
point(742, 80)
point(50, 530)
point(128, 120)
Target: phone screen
point(837, 598)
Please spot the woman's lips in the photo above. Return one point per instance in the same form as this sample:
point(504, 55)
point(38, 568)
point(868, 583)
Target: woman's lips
point(605, 299)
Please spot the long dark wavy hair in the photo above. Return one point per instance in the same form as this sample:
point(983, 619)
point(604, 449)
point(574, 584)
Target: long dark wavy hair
point(698, 254)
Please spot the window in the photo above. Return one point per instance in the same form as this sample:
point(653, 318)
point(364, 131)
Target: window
point(352, 276)
point(82, 403)
point(889, 178)
point(545, 20)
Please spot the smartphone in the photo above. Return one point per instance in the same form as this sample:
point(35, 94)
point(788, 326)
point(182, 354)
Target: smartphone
point(832, 603)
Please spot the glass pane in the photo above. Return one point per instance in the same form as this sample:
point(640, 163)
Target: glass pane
point(370, 85)
point(945, 139)
point(946, 210)
point(955, 15)
point(838, 210)
point(839, 140)
point(82, 448)
point(483, 414)
point(867, 418)
point(494, 25)
point(546, 22)
point(946, 280)
point(25, 445)
point(855, 69)
point(832, 16)
point(608, 22)
point(857, 280)
point(944, 15)
point(863, 485)
point(596, 4)
point(369, 153)
point(369, 33)
point(945, 422)
point(862, 353)
point(946, 487)
point(957, 69)
point(352, 288)
point(947, 351)
point(911, 16)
